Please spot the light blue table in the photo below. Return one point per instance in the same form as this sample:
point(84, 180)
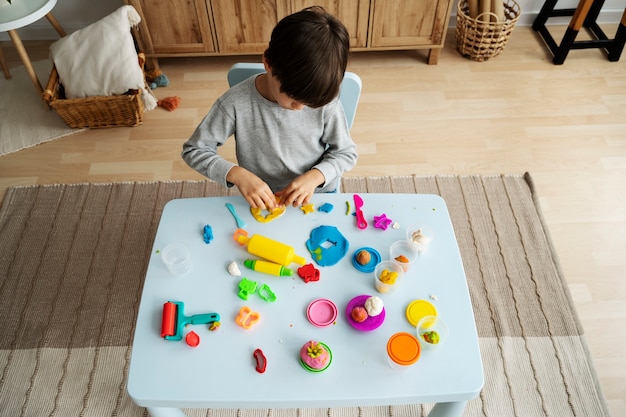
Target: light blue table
point(166, 376)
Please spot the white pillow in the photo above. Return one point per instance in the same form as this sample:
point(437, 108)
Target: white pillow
point(100, 59)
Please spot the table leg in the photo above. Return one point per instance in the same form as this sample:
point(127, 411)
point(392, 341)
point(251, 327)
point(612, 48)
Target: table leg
point(454, 409)
point(165, 412)
point(19, 46)
point(55, 24)
point(5, 67)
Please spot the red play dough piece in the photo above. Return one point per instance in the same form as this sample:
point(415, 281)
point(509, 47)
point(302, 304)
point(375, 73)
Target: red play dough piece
point(192, 339)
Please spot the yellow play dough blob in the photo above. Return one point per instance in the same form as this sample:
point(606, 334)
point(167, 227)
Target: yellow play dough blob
point(275, 213)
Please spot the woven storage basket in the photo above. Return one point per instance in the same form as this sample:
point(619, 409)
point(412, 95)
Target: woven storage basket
point(95, 112)
point(480, 40)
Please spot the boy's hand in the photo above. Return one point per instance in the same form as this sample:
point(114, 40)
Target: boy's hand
point(256, 192)
point(300, 190)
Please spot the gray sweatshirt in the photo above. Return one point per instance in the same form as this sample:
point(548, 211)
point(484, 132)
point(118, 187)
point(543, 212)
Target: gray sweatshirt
point(274, 143)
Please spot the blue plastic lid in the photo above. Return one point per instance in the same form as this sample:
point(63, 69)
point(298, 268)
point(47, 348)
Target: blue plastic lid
point(371, 265)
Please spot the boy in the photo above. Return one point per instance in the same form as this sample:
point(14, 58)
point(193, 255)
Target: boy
point(290, 129)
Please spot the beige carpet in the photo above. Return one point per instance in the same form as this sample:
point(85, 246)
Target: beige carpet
point(24, 119)
point(73, 259)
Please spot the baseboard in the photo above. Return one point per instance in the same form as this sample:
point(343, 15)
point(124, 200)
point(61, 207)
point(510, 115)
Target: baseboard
point(611, 17)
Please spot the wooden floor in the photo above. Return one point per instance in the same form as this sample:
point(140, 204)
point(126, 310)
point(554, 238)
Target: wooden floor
point(518, 112)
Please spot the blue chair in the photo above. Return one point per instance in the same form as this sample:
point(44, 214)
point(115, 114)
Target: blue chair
point(349, 94)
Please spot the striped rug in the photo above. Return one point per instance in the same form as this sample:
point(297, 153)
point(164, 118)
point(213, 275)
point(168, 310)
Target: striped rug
point(73, 259)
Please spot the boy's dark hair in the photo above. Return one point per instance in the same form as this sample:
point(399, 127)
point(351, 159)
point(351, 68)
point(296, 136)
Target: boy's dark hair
point(308, 54)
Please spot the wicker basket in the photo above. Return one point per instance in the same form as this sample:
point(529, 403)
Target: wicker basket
point(480, 40)
point(95, 112)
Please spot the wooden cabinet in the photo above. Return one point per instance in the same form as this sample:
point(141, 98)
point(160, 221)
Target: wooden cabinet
point(409, 24)
point(170, 28)
point(354, 14)
point(244, 27)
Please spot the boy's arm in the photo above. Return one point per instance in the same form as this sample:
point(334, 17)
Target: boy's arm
point(301, 189)
point(200, 150)
point(340, 155)
point(200, 153)
point(256, 191)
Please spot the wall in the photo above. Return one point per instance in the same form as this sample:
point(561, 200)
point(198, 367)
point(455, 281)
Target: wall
point(75, 14)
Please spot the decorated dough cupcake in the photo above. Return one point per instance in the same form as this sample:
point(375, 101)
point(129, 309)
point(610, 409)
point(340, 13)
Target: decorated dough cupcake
point(315, 356)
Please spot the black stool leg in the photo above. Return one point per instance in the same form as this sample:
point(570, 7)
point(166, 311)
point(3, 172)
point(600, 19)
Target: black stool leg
point(584, 15)
point(593, 13)
point(566, 43)
point(615, 51)
point(580, 14)
point(544, 14)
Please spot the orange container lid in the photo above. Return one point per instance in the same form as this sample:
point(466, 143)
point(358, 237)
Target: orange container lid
point(403, 348)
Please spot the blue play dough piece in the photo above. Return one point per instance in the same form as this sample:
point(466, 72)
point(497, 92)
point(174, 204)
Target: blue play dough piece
point(326, 207)
point(327, 245)
point(208, 234)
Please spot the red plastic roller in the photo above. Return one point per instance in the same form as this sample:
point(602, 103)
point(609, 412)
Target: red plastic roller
point(168, 325)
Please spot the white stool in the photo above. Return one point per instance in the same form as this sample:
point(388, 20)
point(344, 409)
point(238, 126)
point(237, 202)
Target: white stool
point(17, 15)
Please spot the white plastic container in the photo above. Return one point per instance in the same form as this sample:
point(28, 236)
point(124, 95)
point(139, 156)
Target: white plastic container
point(177, 258)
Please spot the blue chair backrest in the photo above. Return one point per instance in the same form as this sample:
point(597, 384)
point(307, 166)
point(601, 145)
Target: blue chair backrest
point(349, 94)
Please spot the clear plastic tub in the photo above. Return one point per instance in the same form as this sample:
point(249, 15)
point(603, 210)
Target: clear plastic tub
point(403, 252)
point(387, 275)
point(432, 332)
point(421, 236)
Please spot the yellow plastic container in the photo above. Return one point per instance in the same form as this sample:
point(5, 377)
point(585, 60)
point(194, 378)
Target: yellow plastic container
point(419, 309)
